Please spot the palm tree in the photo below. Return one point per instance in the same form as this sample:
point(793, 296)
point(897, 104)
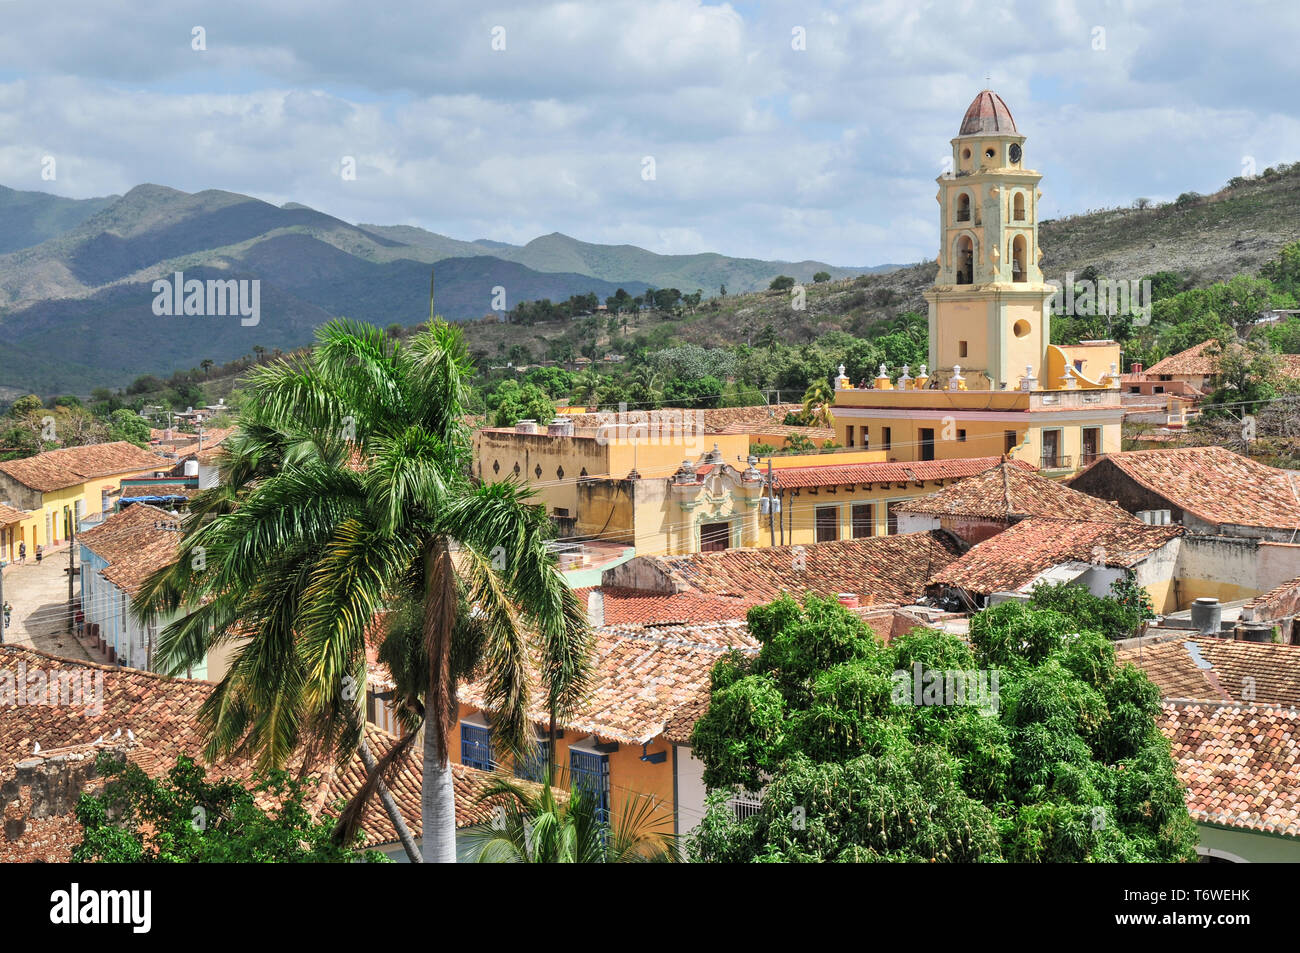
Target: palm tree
point(817, 401)
point(532, 825)
point(350, 495)
point(206, 364)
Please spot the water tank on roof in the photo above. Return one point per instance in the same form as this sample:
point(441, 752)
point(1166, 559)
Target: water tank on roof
point(191, 467)
point(1207, 616)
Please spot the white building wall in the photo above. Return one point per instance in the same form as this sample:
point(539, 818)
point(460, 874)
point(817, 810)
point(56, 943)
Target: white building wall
point(690, 789)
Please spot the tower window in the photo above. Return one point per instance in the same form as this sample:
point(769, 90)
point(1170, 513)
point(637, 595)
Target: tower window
point(1018, 207)
point(1021, 328)
point(989, 153)
point(963, 207)
point(1018, 259)
point(965, 260)
point(961, 349)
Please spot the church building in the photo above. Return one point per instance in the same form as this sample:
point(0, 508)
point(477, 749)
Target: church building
point(994, 383)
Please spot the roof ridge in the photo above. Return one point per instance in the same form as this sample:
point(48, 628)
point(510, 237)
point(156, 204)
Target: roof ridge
point(13, 649)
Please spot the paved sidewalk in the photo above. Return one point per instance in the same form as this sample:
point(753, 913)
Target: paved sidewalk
point(39, 595)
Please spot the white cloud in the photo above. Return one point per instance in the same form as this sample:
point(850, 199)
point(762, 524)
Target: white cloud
point(763, 150)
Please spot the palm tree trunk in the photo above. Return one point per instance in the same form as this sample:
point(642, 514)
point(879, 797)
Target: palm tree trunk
point(437, 804)
point(390, 806)
point(438, 795)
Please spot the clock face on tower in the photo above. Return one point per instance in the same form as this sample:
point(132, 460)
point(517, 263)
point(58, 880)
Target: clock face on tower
point(1015, 152)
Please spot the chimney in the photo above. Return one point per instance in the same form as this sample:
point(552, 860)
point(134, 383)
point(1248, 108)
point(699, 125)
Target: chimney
point(849, 600)
point(1135, 367)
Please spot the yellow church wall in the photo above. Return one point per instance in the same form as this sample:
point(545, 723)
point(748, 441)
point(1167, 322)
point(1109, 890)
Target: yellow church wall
point(1023, 351)
point(959, 322)
point(1097, 358)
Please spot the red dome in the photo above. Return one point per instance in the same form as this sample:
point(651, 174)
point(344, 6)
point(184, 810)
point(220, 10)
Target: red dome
point(988, 114)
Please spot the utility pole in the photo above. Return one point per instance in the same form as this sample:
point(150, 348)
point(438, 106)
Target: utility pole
point(72, 536)
point(771, 507)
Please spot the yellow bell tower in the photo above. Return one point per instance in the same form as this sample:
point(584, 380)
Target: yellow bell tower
point(988, 309)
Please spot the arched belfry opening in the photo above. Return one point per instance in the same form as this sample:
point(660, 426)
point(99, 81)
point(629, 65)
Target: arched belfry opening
point(963, 207)
point(1018, 207)
point(965, 260)
point(1018, 247)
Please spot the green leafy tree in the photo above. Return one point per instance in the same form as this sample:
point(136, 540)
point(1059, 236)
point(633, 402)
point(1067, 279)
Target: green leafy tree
point(126, 424)
point(781, 283)
point(185, 818)
point(512, 402)
point(1118, 617)
point(1057, 760)
point(821, 276)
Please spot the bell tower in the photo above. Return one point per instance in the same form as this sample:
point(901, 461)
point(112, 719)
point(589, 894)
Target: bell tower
point(988, 307)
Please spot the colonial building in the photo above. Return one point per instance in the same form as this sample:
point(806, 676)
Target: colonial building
point(58, 489)
point(993, 384)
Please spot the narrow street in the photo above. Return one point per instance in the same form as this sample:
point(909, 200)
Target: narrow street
point(39, 596)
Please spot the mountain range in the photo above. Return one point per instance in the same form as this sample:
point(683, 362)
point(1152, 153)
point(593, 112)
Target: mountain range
point(77, 275)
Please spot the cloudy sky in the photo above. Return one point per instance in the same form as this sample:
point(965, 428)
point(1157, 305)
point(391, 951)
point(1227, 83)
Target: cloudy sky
point(511, 120)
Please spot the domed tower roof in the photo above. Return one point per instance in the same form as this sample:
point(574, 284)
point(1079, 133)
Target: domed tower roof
point(988, 114)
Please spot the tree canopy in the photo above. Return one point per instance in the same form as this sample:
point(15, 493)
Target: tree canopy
point(1028, 744)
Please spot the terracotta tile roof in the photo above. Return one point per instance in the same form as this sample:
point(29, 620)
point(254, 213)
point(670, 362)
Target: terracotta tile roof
point(1219, 670)
point(1203, 360)
point(161, 713)
point(638, 607)
point(1213, 483)
point(844, 474)
point(59, 469)
point(126, 533)
point(1011, 491)
point(159, 489)
point(10, 515)
point(888, 568)
point(211, 440)
point(643, 680)
point(1015, 557)
point(1240, 765)
point(155, 549)
point(817, 435)
point(210, 456)
point(713, 420)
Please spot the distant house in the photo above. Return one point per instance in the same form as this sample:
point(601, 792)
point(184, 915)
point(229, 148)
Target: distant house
point(1195, 370)
point(59, 488)
point(117, 556)
point(1089, 553)
point(1210, 490)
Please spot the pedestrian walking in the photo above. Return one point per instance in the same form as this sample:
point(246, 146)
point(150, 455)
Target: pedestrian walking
point(22, 552)
point(40, 550)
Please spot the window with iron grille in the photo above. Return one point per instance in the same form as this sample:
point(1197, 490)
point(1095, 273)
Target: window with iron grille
point(589, 773)
point(476, 746)
point(533, 768)
point(745, 805)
